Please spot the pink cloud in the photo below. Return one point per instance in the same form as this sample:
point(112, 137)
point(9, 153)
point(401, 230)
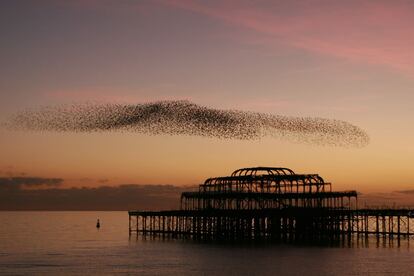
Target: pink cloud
point(107, 6)
point(116, 94)
point(93, 94)
point(372, 32)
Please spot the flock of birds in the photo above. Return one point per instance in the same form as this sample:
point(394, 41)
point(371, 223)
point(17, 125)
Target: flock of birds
point(186, 118)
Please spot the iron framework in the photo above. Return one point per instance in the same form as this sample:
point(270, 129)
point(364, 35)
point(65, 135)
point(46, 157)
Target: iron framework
point(269, 203)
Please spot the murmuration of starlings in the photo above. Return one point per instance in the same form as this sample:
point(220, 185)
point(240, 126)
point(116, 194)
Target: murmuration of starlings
point(186, 118)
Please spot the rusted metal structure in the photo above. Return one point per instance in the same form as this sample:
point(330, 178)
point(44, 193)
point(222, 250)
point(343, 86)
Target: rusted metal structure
point(269, 203)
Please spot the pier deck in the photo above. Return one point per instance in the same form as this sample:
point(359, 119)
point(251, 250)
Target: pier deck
point(271, 223)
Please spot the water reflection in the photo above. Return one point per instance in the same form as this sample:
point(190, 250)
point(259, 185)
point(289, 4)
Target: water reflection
point(345, 241)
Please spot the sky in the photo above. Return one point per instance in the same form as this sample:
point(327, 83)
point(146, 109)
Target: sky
point(345, 60)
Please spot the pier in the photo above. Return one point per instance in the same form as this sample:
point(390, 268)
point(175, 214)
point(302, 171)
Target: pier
point(270, 203)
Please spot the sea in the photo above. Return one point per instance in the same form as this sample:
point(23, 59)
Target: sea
point(68, 243)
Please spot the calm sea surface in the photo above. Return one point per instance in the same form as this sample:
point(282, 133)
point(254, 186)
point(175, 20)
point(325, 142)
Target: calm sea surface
point(56, 243)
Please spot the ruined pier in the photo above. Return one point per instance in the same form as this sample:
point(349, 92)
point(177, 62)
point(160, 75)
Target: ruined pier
point(269, 203)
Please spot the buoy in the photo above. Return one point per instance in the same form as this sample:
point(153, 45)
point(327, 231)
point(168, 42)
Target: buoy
point(98, 224)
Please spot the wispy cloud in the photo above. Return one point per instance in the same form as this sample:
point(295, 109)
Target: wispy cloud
point(409, 192)
point(28, 182)
point(397, 199)
point(122, 197)
point(142, 197)
point(371, 32)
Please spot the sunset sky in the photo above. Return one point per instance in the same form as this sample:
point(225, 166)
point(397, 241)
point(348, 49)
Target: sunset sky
point(346, 60)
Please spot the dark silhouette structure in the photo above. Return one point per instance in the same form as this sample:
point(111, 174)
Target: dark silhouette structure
point(269, 203)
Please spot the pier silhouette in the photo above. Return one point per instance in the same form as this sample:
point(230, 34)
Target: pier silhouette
point(269, 203)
